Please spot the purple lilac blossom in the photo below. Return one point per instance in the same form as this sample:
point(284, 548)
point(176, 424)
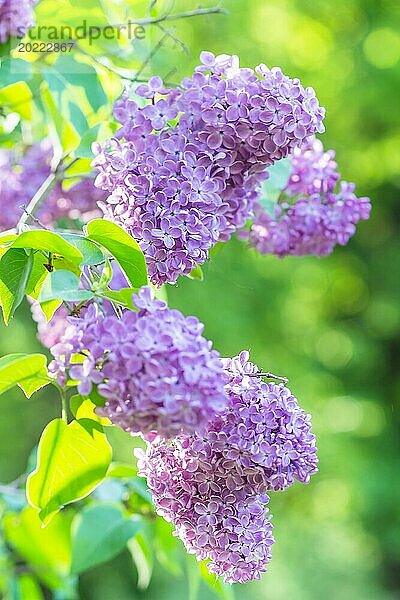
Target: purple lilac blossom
point(50, 332)
point(212, 486)
point(21, 178)
point(184, 170)
point(16, 17)
point(264, 429)
point(10, 189)
point(212, 506)
point(154, 368)
point(314, 213)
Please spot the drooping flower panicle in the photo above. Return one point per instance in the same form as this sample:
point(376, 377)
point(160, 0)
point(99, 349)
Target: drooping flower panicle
point(212, 506)
point(265, 429)
point(212, 486)
point(314, 213)
point(185, 169)
point(154, 368)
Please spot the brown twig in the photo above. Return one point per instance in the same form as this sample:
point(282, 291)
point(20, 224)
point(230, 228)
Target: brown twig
point(269, 376)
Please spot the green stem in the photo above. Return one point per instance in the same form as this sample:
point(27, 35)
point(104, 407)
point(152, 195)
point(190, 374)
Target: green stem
point(64, 409)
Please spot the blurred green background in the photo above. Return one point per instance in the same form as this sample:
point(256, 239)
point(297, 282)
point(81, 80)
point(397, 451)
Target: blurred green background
point(331, 325)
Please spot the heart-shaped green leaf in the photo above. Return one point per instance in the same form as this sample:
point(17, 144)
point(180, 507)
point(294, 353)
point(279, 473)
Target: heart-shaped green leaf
point(72, 460)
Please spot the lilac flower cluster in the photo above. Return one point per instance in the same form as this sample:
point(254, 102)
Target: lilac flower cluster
point(154, 368)
point(10, 189)
point(184, 170)
point(21, 178)
point(264, 429)
point(213, 486)
point(312, 215)
point(212, 506)
point(50, 332)
point(16, 17)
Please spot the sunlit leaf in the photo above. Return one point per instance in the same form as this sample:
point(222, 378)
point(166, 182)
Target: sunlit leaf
point(196, 273)
point(18, 98)
point(84, 408)
point(122, 247)
point(27, 371)
point(66, 135)
point(122, 297)
point(29, 588)
point(72, 460)
point(47, 241)
point(15, 269)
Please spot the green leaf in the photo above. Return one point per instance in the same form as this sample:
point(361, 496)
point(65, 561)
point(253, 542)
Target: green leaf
point(83, 408)
point(77, 117)
point(84, 150)
point(15, 269)
point(82, 75)
point(63, 285)
point(196, 273)
point(98, 133)
point(28, 371)
point(122, 247)
point(39, 274)
point(46, 551)
point(65, 133)
point(122, 470)
point(106, 275)
point(122, 297)
point(28, 588)
point(17, 97)
point(92, 255)
point(100, 532)
point(279, 174)
point(72, 460)
point(5, 242)
point(49, 308)
point(47, 241)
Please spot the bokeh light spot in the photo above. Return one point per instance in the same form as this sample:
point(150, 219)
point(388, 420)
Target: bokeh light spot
point(382, 48)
